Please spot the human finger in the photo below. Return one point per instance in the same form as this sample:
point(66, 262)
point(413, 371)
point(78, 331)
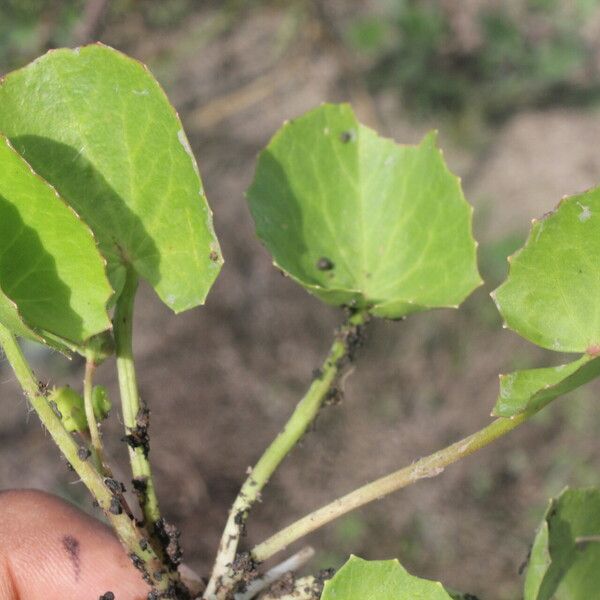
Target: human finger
point(50, 550)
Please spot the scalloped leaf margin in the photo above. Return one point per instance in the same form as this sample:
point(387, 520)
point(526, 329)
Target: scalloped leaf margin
point(550, 294)
point(361, 221)
point(97, 125)
point(360, 579)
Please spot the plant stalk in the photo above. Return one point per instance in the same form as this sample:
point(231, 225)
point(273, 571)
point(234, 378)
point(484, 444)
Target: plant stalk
point(305, 588)
point(130, 536)
point(429, 466)
point(135, 416)
point(96, 439)
point(290, 565)
point(341, 353)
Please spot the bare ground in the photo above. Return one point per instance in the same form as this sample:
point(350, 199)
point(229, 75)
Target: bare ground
point(221, 380)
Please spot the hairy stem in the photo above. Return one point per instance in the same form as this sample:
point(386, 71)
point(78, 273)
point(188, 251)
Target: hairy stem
point(135, 416)
point(131, 537)
point(96, 439)
point(429, 466)
point(341, 352)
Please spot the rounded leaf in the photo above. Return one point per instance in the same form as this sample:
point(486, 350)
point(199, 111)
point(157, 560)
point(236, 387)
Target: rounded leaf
point(360, 579)
point(550, 295)
point(97, 125)
point(53, 285)
point(359, 220)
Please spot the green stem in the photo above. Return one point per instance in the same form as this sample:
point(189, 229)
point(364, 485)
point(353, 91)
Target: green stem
point(341, 351)
point(134, 416)
point(96, 439)
point(130, 536)
point(430, 466)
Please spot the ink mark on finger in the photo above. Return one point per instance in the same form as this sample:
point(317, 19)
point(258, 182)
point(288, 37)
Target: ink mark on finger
point(72, 548)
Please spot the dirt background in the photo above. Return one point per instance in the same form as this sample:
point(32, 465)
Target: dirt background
point(221, 380)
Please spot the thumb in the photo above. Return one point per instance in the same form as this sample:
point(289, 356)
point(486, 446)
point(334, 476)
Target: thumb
point(50, 550)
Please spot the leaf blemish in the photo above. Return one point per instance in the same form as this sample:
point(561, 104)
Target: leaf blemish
point(585, 213)
point(140, 92)
point(593, 350)
point(79, 153)
point(324, 264)
point(348, 136)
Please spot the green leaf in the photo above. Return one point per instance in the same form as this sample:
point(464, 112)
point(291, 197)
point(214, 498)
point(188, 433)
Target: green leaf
point(565, 557)
point(359, 220)
point(380, 580)
point(70, 407)
point(538, 562)
point(550, 295)
point(529, 389)
point(98, 127)
point(53, 287)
